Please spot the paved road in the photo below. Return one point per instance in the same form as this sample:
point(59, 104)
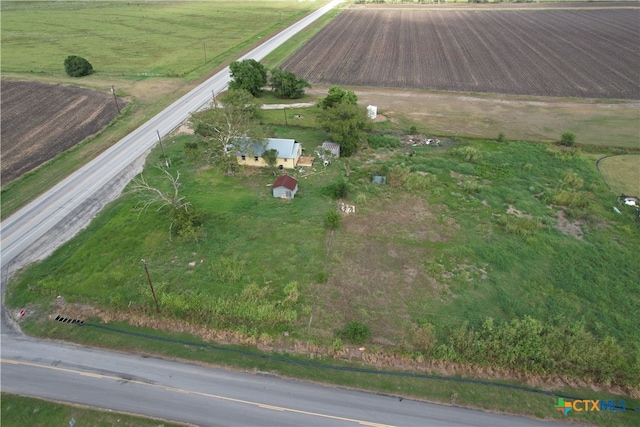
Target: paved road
point(210, 397)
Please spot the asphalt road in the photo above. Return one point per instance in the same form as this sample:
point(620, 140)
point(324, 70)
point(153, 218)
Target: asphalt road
point(161, 388)
point(207, 396)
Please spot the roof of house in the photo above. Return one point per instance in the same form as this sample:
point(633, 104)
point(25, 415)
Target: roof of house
point(286, 148)
point(286, 181)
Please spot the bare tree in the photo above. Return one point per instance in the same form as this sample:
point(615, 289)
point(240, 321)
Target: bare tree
point(183, 217)
point(153, 195)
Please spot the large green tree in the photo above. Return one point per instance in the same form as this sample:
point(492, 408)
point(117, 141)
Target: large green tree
point(77, 66)
point(347, 124)
point(336, 96)
point(249, 75)
point(225, 128)
point(286, 84)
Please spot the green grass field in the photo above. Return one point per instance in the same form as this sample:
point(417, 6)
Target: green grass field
point(137, 39)
point(622, 174)
point(18, 411)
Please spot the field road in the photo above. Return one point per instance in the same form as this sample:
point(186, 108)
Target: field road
point(162, 388)
point(211, 397)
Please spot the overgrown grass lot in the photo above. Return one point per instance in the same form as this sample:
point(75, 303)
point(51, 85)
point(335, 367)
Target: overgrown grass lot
point(505, 256)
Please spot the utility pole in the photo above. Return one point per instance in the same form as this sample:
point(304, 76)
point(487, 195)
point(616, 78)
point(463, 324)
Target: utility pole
point(284, 109)
point(113, 91)
point(151, 286)
point(166, 163)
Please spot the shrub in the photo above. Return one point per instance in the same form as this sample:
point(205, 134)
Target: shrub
point(379, 141)
point(76, 66)
point(501, 137)
point(355, 332)
point(332, 220)
point(337, 190)
point(424, 338)
point(568, 139)
point(466, 153)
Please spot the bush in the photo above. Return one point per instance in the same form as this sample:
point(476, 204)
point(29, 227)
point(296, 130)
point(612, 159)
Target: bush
point(466, 153)
point(355, 332)
point(379, 141)
point(568, 139)
point(76, 66)
point(332, 220)
point(501, 137)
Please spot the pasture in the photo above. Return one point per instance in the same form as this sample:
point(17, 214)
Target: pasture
point(137, 39)
point(590, 51)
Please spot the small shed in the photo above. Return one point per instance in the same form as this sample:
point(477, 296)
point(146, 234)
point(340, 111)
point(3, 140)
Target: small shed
point(285, 187)
point(379, 179)
point(333, 147)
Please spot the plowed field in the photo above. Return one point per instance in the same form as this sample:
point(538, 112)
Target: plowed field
point(40, 121)
point(591, 51)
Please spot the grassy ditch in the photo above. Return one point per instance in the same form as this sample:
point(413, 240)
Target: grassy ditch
point(20, 411)
point(471, 248)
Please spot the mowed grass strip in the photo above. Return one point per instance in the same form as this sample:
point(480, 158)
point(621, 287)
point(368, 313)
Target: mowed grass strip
point(21, 410)
point(137, 39)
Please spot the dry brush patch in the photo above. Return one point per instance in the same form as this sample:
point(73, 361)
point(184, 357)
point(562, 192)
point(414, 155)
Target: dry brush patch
point(578, 52)
point(40, 121)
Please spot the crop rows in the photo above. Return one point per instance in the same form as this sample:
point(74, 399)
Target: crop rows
point(591, 52)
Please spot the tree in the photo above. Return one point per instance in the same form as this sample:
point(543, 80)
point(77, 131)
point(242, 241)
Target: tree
point(336, 96)
point(271, 158)
point(184, 220)
point(76, 66)
point(249, 75)
point(224, 129)
point(286, 84)
point(568, 139)
point(346, 123)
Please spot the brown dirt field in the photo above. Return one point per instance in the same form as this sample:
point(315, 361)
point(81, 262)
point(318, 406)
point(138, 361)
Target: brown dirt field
point(40, 121)
point(589, 51)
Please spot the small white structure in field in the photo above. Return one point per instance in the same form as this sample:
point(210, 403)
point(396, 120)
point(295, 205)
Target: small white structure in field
point(372, 111)
point(347, 208)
